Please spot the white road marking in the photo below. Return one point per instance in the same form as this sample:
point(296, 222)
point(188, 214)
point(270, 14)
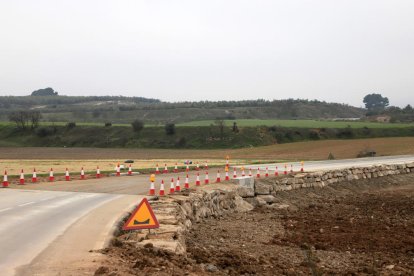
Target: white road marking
point(5, 209)
point(27, 203)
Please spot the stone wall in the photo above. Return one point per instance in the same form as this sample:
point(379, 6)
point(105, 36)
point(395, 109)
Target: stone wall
point(249, 187)
point(176, 215)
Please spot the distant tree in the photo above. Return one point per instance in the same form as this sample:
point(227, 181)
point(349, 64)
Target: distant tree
point(408, 109)
point(220, 123)
point(375, 102)
point(108, 124)
point(137, 125)
point(20, 118)
point(170, 128)
point(34, 117)
point(235, 129)
point(25, 119)
point(45, 92)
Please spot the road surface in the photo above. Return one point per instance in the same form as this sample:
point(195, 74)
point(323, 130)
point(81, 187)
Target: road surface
point(140, 184)
point(31, 220)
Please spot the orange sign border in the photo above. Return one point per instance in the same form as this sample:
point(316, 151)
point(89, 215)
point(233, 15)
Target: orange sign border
point(156, 225)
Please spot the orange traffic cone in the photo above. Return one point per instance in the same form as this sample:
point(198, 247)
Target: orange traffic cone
point(176, 168)
point(250, 172)
point(152, 188)
point(157, 170)
point(267, 172)
point(206, 165)
point(285, 171)
point(187, 169)
point(129, 170)
point(227, 176)
point(186, 184)
point(5, 180)
point(172, 189)
point(291, 168)
point(98, 172)
point(258, 172)
point(165, 169)
point(198, 180)
point(67, 177)
point(34, 176)
point(276, 171)
point(243, 173)
point(197, 168)
point(234, 173)
point(206, 180)
point(177, 185)
point(218, 179)
point(162, 189)
point(51, 177)
point(118, 170)
point(82, 174)
point(21, 182)
point(301, 166)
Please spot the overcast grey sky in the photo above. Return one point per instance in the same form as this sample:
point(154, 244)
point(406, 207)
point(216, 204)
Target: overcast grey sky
point(331, 50)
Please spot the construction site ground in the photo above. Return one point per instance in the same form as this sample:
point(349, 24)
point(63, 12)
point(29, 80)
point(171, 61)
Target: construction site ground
point(358, 227)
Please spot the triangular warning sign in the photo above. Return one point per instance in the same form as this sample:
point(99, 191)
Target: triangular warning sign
point(142, 218)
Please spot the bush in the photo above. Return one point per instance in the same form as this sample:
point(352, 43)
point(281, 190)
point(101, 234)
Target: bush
point(170, 129)
point(108, 124)
point(180, 142)
point(314, 135)
point(71, 125)
point(137, 125)
point(44, 131)
point(366, 153)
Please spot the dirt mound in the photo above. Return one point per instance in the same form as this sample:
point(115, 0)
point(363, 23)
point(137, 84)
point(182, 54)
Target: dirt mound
point(359, 227)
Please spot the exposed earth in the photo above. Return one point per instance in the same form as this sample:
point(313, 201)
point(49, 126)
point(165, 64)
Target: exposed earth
point(358, 227)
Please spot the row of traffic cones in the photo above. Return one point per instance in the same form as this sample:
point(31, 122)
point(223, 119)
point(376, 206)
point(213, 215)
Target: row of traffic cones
point(175, 170)
point(176, 187)
point(51, 176)
point(258, 174)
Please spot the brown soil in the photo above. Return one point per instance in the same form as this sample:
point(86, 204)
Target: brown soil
point(315, 150)
point(360, 227)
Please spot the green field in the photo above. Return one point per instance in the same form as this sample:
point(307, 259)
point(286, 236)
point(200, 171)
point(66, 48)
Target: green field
point(300, 123)
point(255, 123)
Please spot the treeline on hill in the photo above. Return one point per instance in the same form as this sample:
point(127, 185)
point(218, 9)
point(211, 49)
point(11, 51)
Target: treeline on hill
point(119, 109)
point(378, 106)
point(209, 137)
point(396, 114)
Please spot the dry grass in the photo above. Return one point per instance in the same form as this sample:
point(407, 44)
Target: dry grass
point(14, 159)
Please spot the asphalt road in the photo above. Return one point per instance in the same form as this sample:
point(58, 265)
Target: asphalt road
point(31, 220)
point(140, 184)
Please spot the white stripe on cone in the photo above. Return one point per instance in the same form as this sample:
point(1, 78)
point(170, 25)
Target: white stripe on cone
point(186, 184)
point(162, 189)
point(67, 177)
point(34, 176)
point(21, 180)
point(172, 188)
point(51, 177)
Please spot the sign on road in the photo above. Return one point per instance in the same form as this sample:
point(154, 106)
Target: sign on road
point(142, 218)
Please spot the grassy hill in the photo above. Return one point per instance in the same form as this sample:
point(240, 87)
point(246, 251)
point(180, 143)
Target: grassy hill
point(125, 109)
